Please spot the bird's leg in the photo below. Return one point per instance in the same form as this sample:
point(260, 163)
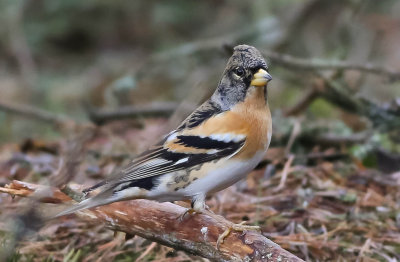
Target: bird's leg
point(197, 206)
point(241, 227)
point(210, 213)
point(189, 211)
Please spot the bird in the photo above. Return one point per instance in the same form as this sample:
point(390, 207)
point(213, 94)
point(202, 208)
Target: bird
point(214, 147)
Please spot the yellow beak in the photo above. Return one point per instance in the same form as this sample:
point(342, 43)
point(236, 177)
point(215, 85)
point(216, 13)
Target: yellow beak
point(261, 78)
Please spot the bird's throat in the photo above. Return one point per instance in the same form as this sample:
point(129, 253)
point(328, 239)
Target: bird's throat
point(256, 97)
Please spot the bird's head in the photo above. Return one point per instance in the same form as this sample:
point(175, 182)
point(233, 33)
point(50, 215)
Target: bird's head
point(246, 70)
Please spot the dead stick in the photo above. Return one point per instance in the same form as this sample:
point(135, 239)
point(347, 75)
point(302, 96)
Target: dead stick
point(158, 222)
point(319, 64)
point(100, 116)
point(304, 102)
point(34, 113)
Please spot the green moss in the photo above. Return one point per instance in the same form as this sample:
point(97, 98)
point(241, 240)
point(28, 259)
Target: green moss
point(322, 109)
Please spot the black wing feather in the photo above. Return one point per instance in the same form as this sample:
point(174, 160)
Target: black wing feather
point(144, 175)
point(148, 166)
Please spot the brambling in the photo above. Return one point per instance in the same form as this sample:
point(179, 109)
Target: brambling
point(213, 148)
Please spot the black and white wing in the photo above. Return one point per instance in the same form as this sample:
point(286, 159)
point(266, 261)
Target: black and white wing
point(184, 148)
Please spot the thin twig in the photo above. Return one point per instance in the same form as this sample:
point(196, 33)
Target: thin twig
point(334, 139)
point(364, 249)
point(101, 116)
point(381, 117)
point(19, 44)
point(34, 113)
point(285, 173)
point(146, 252)
point(319, 64)
point(73, 152)
point(304, 102)
point(295, 133)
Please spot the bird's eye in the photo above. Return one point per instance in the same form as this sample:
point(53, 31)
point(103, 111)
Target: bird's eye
point(239, 71)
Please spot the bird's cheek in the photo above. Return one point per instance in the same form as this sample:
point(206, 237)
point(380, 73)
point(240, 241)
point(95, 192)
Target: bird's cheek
point(247, 81)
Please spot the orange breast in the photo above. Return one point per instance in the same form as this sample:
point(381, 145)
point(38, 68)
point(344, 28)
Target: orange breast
point(251, 118)
point(254, 111)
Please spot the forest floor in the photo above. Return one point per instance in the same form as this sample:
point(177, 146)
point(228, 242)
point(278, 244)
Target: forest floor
point(328, 208)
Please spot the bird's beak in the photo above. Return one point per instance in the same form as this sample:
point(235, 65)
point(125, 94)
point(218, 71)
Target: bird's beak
point(261, 78)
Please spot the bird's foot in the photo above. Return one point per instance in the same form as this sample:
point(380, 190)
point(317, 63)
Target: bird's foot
point(241, 227)
point(189, 211)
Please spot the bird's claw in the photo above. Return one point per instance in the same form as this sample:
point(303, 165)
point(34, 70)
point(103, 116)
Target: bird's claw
point(241, 227)
point(189, 211)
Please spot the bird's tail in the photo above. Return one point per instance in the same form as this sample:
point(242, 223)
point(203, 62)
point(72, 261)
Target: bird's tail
point(102, 198)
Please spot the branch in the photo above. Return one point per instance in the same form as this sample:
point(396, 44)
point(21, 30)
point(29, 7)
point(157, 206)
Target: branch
point(304, 102)
point(100, 116)
point(79, 134)
point(384, 118)
point(72, 153)
point(318, 64)
point(335, 92)
point(19, 44)
point(97, 116)
point(158, 222)
point(34, 113)
point(335, 140)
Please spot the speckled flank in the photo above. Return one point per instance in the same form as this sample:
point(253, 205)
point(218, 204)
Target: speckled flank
point(217, 176)
point(179, 180)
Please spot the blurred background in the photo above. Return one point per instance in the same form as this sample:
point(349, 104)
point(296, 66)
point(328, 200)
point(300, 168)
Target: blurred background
point(335, 94)
point(59, 55)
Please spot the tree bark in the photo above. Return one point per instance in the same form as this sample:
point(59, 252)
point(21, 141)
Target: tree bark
point(159, 222)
